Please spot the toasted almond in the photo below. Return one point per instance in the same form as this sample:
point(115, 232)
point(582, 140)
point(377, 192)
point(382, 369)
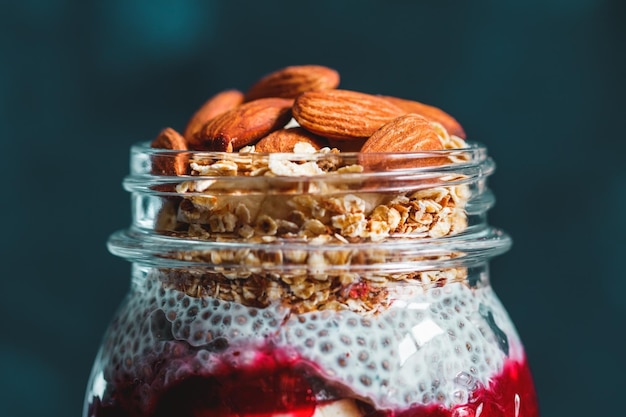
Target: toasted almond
point(244, 124)
point(214, 106)
point(343, 114)
point(408, 133)
point(291, 81)
point(175, 164)
point(353, 145)
point(431, 112)
point(283, 140)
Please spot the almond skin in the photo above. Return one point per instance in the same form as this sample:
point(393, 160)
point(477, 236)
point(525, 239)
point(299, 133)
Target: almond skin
point(214, 106)
point(283, 140)
point(431, 112)
point(408, 133)
point(343, 114)
point(173, 164)
point(244, 124)
point(353, 145)
point(291, 81)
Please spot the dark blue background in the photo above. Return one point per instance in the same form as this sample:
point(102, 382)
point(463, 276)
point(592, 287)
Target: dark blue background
point(539, 81)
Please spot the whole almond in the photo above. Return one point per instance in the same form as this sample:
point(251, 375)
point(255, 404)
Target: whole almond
point(174, 164)
point(214, 106)
point(343, 114)
point(283, 140)
point(244, 124)
point(408, 133)
point(291, 81)
point(431, 112)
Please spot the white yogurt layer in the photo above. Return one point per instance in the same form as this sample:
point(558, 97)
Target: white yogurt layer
point(433, 346)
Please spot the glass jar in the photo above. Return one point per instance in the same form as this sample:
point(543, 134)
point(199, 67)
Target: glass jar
point(310, 284)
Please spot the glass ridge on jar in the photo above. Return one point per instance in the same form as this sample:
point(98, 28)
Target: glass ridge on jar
point(310, 284)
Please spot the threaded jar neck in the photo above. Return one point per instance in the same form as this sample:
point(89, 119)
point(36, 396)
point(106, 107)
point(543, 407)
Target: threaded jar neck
point(237, 213)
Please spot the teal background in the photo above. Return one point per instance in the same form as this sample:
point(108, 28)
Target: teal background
point(541, 83)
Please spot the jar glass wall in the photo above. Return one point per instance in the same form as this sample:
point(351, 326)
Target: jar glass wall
point(312, 284)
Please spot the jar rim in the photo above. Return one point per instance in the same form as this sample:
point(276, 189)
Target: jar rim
point(474, 151)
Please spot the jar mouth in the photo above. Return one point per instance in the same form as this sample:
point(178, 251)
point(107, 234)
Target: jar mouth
point(473, 147)
point(160, 171)
point(143, 156)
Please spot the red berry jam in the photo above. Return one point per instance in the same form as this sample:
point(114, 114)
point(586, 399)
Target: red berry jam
point(272, 389)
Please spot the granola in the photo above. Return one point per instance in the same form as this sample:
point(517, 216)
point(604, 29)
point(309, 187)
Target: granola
point(264, 206)
point(316, 211)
